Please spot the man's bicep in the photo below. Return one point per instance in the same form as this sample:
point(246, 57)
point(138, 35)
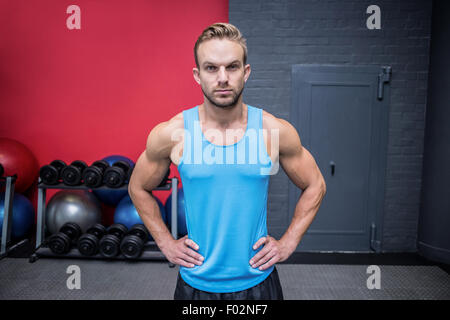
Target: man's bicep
point(153, 163)
point(301, 168)
point(297, 161)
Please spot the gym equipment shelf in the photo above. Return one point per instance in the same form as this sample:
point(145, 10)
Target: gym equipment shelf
point(6, 245)
point(150, 251)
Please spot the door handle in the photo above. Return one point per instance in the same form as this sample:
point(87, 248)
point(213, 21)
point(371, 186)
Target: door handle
point(383, 77)
point(333, 166)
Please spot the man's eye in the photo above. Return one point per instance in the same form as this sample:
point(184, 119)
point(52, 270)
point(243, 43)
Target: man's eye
point(233, 66)
point(210, 68)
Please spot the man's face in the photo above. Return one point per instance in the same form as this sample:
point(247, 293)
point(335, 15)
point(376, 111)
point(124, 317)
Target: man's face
point(221, 71)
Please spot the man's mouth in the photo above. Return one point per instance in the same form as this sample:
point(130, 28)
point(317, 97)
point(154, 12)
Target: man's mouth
point(223, 91)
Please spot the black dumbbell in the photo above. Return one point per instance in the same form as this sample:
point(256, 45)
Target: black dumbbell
point(116, 175)
point(109, 245)
point(166, 177)
point(133, 243)
point(72, 175)
point(93, 176)
point(60, 243)
point(88, 242)
point(51, 173)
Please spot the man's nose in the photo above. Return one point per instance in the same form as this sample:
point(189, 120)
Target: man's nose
point(222, 75)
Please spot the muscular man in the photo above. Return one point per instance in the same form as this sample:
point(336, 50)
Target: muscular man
point(225, 151)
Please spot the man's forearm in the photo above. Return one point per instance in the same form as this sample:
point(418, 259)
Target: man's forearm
point(305, 211)
point(148, 210)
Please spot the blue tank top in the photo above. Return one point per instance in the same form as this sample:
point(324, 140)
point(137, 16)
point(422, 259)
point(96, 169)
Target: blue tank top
point(225, 193)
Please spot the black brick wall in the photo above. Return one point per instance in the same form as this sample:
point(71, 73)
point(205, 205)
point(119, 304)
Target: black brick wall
point(282, 32)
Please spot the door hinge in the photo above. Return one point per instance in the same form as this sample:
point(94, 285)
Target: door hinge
point(375, 245)
point(383, 77)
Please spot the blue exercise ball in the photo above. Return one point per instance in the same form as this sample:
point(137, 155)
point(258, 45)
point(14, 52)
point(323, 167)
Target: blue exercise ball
point(181, 214)
point(127, 214)
point(112, 197)
point(22, 215)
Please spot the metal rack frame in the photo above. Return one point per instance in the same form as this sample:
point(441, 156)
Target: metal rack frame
point(150, 250)
point(6, 245)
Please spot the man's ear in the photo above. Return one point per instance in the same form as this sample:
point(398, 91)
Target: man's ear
point(247, 71)
point(196, 74)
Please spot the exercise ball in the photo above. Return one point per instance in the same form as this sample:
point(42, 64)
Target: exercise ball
point(16, 158)
point(78, 206)
point(127, 214)
point(110, 196)
point(181, 215)
point(22, 215)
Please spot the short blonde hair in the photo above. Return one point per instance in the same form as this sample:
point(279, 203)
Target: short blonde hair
point(220, 31)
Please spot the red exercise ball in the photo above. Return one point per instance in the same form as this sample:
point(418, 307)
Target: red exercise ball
point(16, 158)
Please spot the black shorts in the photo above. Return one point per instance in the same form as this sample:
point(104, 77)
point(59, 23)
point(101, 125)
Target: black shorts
point(269, 289)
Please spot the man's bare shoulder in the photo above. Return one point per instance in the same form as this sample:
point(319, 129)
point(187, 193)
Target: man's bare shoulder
point(288, 136)
point(175, 123)
point(165, 135)
point(163, 131)
point(272, 122)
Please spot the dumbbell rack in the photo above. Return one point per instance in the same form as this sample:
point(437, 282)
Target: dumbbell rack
point(5, 243)
point(150, 250)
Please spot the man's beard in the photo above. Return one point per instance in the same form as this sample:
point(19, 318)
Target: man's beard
point(216, 103)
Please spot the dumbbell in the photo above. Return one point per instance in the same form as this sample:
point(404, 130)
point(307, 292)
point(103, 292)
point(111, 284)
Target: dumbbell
point(93, 176)
point(166, 177)
point(116, 175)
point(72, 175)
point(109, 245)
point(133, 243)
point(88, 243)
point(51, 173)
point(60, 243)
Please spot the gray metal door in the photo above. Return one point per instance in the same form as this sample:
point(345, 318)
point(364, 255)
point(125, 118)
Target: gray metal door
point(341, 114)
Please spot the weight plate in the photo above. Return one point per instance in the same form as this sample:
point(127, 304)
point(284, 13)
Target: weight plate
point(114, 177)
point(80, 164)
point(59, 243)
point(101, 164)
point(97, 230)
point(92, 177)
point(88, 244)
point(125, 166)
point(140, 231)
point(49, 174)
point(71, 229)
point(131, 246)
point(71, 176)
point(117, 229)
point(109, 246)
point(58, 164)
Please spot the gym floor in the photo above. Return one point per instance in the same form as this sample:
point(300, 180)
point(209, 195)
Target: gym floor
point(304, 276)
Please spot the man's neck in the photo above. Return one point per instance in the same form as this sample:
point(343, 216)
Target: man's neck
point(223, 117)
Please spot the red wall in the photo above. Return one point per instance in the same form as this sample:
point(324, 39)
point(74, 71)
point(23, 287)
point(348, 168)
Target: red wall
point(85, 94)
